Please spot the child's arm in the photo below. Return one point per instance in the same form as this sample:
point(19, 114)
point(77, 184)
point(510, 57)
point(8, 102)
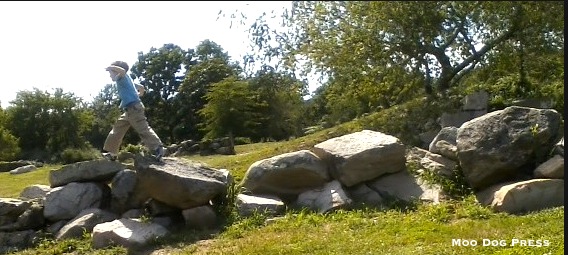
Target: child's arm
point(121, 72)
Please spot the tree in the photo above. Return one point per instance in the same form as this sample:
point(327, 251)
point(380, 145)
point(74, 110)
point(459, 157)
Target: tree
point(211, 65)
point(281, 104)
point(9, 149)
point(229, 109)
point(48, 122)
point(531, 65)
point(315, 107)
point(377, 54)
point(161, 72)
point(3, 117)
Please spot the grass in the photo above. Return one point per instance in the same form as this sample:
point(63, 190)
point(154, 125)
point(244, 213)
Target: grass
point(11, 185)
point(417, 229)
point(390, 232)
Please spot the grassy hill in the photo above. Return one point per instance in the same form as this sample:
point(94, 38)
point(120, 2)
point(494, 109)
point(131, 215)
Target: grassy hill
point(448, 228)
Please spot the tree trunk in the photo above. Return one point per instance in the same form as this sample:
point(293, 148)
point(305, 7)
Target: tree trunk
point(232, 142)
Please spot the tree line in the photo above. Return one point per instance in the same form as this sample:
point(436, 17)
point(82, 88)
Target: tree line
point(190, 94)
point(373, 56)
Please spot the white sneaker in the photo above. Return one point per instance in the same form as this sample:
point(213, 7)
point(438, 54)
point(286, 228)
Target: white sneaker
point(109, 156)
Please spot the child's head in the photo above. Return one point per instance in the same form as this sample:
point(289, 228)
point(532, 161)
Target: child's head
point(116, 69)
point(122, 64)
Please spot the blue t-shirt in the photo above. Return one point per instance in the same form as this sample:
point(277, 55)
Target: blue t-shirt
point(126, 91)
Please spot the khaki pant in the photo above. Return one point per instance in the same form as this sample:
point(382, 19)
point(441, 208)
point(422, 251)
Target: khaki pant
point(133, 116)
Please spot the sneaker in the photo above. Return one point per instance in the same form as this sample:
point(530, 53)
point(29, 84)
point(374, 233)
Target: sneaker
point(159, 152)
point(109, 156)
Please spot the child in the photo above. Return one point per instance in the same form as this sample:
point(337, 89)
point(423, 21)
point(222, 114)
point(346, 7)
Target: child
point(133, 115)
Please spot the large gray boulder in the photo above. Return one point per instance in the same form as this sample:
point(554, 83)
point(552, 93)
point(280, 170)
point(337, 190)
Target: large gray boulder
point(286, 174)
point(35, 191)
point(494, 147)
point(101, 170)
point(129, 233)
point(201, 218)
point(180, 183)
point(363, 195)
point(11, 165)
point(523, 197)
point(24, 169)
point(66, 202)
point(16, 214)
point(362, 156)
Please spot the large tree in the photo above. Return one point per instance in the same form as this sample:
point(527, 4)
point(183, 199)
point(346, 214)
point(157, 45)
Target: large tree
point(161, 72)
point(229, 110)
point(380, 53)
point(280, 104)
point(530, 65)
point(48, 122)
point(212, 65)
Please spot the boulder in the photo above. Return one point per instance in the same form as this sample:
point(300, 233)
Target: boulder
point(286, 174)
point(180, 183)
point(494, 147)
point(523, 197)
point(362, 156)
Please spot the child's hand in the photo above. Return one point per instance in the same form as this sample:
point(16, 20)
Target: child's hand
point(141, 90)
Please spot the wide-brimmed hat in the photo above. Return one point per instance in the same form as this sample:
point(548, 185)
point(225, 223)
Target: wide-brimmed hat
point(113, 68)
point(118, 64)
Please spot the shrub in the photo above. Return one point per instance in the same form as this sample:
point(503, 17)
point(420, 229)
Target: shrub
point(9, 149)
point(72, 155)
point(134, 148)
point(455, 186)
point(242, 140)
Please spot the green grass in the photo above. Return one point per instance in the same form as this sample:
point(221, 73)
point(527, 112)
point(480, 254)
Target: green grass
point(390, 232)
point(11, 185)
point(418, 229)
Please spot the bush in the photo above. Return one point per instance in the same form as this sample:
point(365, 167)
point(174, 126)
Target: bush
point(135, 148)
point(72, 155)
point(242, 140)
point(9, 149)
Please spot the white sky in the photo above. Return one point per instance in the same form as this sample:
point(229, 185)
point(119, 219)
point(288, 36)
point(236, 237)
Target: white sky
point(67, 45)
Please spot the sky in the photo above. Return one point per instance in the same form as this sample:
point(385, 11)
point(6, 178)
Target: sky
point(48, 45)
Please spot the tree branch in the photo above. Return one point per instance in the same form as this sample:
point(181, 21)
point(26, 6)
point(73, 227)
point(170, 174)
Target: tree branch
point(460, 74)
point(452, 38)
point(488, 46)
point(466, 37)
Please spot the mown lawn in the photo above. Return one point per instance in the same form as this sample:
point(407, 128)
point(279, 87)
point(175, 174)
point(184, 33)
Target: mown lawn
point(11, 185)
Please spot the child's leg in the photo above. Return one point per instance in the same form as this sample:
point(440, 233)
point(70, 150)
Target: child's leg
point(114, 138)
point(138, 120)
